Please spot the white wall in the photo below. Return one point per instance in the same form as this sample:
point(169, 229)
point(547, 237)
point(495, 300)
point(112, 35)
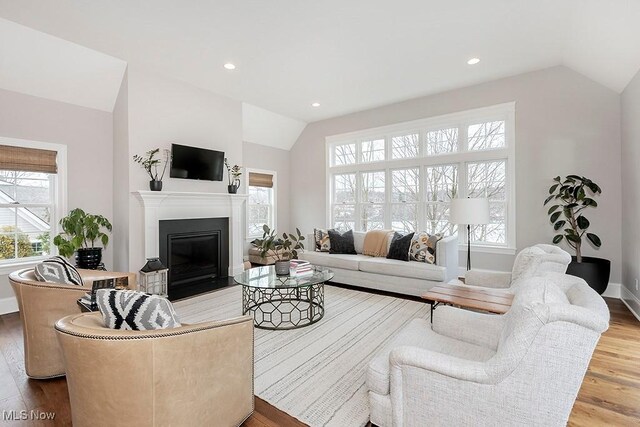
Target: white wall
point(162, 111)
point(565, 123)
point(631, 192)
point(121, 164)
point(88, 135)
point(274, 159)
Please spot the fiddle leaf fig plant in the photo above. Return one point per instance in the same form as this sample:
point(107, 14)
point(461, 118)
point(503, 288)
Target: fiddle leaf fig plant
point(81, 230)
point(569, 197)
point(284, 247)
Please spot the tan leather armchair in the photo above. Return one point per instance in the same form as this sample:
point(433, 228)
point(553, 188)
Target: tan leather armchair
point(41, 304)
point(194, 375)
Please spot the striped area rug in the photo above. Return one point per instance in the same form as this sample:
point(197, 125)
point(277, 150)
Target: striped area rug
point(317, 373)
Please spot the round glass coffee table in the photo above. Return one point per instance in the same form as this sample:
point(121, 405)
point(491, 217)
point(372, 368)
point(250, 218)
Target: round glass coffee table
point(283, 302)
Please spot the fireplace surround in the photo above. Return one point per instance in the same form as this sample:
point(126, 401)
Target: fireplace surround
point(171, 205)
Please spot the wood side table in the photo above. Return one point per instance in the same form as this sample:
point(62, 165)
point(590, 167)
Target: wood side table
point(496, 301)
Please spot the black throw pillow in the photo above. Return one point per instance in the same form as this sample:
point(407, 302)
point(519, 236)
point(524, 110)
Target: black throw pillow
point(400, 246)
point(341, 243)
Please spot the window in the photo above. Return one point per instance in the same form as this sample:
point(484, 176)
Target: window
point(261, 202)
point(405, 189)
point(373, 199)
point(31, 199)
point(405, 146)
point(403, 176)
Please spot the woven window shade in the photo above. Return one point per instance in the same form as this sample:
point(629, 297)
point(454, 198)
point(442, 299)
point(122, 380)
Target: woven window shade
point(27, 159)
point(260, 180)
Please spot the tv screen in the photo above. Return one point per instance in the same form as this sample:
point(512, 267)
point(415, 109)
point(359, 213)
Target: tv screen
point(196, 163)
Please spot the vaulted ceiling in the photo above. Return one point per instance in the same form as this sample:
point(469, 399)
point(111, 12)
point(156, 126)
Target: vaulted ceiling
point(347, 55)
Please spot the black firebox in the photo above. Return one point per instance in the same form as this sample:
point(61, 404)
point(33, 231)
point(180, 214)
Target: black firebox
point(196, 251)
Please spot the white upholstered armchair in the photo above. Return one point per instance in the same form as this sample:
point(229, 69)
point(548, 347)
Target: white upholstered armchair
point(533, 261)
point(523, 368)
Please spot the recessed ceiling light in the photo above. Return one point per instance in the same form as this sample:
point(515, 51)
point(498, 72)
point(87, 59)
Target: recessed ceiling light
point(315, 104)
point(229, 66)
point(473, 61)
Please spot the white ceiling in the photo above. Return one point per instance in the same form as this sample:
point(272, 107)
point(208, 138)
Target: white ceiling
point(264, 127)
point(42, 65)
point(349, 55)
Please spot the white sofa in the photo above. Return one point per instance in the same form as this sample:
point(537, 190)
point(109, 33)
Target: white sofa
point(403, 277)
point(474, 369)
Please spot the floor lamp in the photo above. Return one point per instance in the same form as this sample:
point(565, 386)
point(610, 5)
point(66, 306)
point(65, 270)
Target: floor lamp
point(469, 211)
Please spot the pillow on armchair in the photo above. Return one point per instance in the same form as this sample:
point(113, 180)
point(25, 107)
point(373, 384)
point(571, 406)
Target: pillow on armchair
point(135, 310)
point(57, 270)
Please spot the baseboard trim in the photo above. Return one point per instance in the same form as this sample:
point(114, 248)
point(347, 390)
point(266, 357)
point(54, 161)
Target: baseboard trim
point(613, 290)
point(8, 305)
point(631, 301)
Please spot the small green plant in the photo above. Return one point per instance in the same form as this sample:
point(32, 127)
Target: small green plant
point(572, 195)
point(150, 163)
point(284, 248)
point(81, 230)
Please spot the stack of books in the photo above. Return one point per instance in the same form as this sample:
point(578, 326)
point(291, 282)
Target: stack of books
point(302, 268)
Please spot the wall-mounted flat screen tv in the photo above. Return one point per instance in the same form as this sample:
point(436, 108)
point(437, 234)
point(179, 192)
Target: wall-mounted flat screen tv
point(196, 163)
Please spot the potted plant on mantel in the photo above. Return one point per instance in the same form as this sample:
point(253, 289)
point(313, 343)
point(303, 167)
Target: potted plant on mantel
point(150, 163)
point(80, 231)
point(233, 173)
point(284, 248)
point(570, 197)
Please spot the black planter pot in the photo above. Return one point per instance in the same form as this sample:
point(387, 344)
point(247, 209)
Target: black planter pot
point(595, 271)
point(155, 185)
point(89, 258)
point(233, 189)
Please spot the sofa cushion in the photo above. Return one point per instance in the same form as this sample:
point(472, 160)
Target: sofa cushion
point(341, 243)
point(321, 238)
point(423, 247)
point(358, 240)
point(57, 270)
point(344, 261)
point(137, 311)
point(399, 248)
point(418, 333)
point(412, 269)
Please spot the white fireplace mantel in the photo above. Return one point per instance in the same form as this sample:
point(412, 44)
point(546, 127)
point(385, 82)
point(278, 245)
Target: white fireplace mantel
point(162, 205)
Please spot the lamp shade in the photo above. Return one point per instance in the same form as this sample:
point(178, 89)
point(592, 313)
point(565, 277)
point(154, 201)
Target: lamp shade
point(469, 211)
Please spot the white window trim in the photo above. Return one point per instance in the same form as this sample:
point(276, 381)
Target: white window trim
point(274, 174)
point(60, 191)
point(505, 111)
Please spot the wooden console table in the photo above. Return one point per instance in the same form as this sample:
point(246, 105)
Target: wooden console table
point(491, 300)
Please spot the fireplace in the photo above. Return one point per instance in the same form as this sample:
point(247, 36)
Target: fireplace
point(196, 251)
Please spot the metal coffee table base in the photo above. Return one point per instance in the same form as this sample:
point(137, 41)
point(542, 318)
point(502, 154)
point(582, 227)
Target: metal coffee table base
point(284, 308)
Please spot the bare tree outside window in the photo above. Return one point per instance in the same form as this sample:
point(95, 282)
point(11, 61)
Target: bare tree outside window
point(373, 199)
point(405, 194)
point(405, 146)
point(442, 141)
point(344, 154)
point(485, 136)
point(372, 151)
point(419, 169)
point(488, 179)
point(344, 196)
point(441, 185)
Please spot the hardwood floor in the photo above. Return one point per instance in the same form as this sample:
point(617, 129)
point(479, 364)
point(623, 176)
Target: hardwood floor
point(610, 393)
